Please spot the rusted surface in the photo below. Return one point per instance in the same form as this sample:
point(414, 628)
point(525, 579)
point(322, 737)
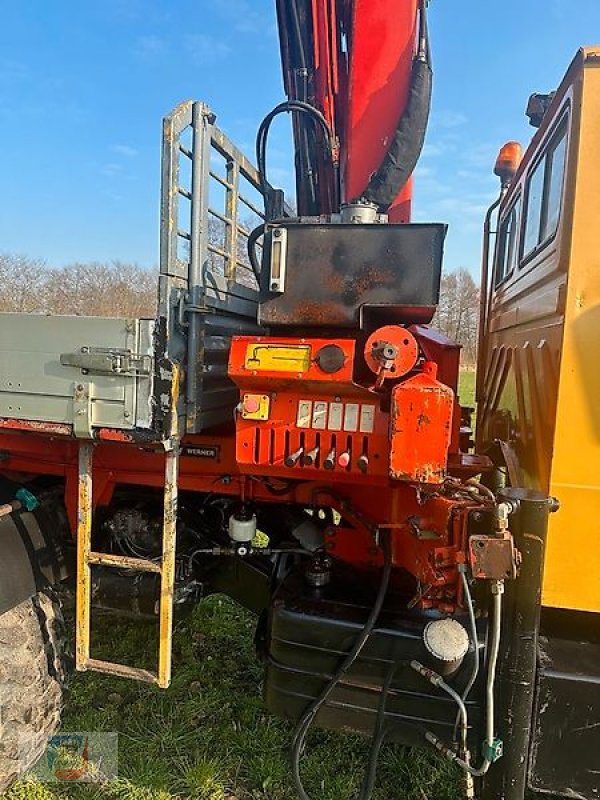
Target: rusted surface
point(421, 423)
point(339, 268)
point(84, 540)
point(123, 562)
point(113, 435)
point(52, 428)
point(467, 465)
point(493, 557)
point(405, 347)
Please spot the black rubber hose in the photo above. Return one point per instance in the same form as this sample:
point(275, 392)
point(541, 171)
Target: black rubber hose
point(311, 712)
point(263, 133)
point(379, 735)
point(407, 142)
point(253, 237)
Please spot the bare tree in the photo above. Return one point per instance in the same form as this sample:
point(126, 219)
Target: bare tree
point(22, 282)
point(458, 311)
point(114, 289)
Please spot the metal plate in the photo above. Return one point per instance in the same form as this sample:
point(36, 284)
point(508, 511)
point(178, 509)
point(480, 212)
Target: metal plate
point(335, 270)
point(35, 386)
point(565, 748)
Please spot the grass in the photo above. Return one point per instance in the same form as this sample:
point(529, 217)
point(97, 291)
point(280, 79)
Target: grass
point(209, 737)
point(466, 387)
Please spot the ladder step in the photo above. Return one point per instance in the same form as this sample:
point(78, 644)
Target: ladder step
point(124, 562)
point(118, 670)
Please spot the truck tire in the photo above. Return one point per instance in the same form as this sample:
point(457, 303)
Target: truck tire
point(31, 681)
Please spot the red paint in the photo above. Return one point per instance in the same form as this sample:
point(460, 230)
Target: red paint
point(249, 460)
point(422, 416)
point(381, 45)
point(362, 89)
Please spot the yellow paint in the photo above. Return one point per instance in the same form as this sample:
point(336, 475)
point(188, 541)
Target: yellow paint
point(84, 542)
point(572, 573)
point(545, 325)
point(278, 358)
point(263, 404)
point(166, 567)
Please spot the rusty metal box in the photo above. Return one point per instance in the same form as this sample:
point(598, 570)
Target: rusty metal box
point(337, 274)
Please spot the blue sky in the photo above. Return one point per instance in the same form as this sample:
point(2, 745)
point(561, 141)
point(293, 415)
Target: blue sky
point(84, 84)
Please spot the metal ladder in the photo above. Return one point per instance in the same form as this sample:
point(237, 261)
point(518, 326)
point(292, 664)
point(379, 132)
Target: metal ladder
point(87, 558)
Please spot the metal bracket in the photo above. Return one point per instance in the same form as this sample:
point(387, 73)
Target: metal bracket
point(107, 361)
point(494, 557)
point(82, 410)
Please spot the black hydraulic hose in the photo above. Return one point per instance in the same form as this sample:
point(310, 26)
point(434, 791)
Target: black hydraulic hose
point(379, 735)
point(253, 238)
point(263, 133)
point(407, 142)
point(311, 712)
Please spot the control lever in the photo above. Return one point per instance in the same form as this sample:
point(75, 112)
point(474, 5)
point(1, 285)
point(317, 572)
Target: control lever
point(293, 458)
point(329, 462)
point(310, 458)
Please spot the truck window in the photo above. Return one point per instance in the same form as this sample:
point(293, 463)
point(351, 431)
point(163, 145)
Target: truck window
point(544, 193)
point(555, 184)
point(508, 243)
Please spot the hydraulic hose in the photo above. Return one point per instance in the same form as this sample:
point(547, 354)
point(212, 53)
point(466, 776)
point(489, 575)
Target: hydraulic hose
point(379, 735)
point(253, 238)
point(406, 144)
point(436, 680)
point(263, 133)
point(311, 712)
point(473, 636)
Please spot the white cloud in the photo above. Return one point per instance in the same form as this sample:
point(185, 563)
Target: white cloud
point(124, 150)
point(431, 150)
point(449, 119)
point(205, 49)
point(112, 169)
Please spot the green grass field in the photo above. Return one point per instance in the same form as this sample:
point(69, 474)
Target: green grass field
point(466, 388)
point(209, 737)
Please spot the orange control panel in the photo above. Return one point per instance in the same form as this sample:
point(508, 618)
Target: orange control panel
point(300, 412)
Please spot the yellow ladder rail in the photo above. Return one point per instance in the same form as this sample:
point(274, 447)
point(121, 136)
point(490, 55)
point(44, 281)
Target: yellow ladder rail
point(86, 558)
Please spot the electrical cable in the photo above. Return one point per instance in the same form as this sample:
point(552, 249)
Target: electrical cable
point(311, 712)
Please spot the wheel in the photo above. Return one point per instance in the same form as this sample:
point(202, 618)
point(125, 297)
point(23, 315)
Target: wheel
point(31, 680)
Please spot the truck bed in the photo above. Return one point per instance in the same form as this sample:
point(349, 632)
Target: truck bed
point(83, 372)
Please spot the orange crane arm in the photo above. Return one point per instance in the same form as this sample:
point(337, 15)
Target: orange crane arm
point(365, 65)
